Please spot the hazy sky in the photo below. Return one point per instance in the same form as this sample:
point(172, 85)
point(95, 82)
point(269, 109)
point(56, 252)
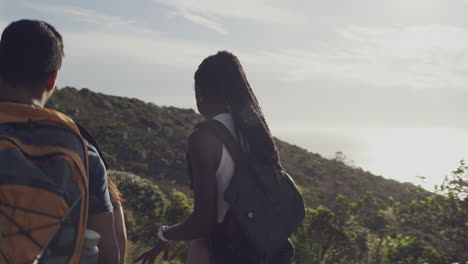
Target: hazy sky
point(386, 82)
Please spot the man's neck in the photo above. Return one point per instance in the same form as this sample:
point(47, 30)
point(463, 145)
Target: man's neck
point(19, 95)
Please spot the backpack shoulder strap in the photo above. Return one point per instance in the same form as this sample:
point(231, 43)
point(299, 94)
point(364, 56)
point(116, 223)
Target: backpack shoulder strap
point(225, 136)
point(11, 113)
point(86, 135)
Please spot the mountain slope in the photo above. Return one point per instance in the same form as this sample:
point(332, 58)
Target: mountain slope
point(150, 140)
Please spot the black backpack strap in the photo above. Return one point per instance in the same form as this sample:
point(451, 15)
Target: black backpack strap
point(86, 135)
point(225, 136)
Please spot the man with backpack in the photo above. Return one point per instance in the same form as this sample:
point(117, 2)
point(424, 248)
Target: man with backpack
point(53, 183)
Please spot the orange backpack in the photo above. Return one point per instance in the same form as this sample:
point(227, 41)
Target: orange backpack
point(43, 186)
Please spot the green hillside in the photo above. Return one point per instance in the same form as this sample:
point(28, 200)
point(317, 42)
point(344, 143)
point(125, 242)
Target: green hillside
point(150, 141)
point(353, 216)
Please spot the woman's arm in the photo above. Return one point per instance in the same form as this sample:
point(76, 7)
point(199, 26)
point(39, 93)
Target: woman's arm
point(120, 230)
point(205, 154)
point(101, 217)
point(103, 223)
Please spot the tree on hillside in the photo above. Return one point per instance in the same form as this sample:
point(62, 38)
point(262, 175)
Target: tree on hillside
point(178, 209)
point(327, 236)
point(445, 214)
point(147, 204)
point(409, 250)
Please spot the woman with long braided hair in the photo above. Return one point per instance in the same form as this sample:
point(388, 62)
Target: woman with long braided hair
point(222, 93)
point(221, 80)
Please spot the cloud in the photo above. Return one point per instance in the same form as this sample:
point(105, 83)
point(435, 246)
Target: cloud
point(149, 67)
point(82, 14)
point(145, 50)
point(203, 12)
point(420, 57)
point(200, 20)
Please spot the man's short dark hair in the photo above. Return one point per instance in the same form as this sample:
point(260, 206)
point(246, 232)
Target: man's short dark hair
point(30, 50)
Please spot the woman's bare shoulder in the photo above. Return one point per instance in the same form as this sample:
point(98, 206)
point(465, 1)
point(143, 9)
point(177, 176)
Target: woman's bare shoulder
point(204, 146)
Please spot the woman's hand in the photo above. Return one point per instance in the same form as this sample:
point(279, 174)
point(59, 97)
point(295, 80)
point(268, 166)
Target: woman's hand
point(150, 256)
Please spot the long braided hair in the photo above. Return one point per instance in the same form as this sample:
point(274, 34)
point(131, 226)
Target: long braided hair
point(221, 77)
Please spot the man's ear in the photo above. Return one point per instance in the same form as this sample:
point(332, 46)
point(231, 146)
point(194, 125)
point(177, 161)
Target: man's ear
point(51, 80)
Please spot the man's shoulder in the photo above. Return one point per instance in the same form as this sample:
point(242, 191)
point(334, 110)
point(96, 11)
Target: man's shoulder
point(95, 161)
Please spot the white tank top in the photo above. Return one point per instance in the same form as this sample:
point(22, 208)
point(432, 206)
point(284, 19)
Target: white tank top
point(226, 167)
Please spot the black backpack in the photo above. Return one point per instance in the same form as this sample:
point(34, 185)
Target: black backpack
point(264, 200)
